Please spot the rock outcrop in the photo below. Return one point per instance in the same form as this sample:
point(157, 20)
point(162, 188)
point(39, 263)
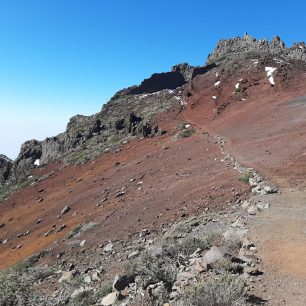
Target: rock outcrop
point(5, 168)
point(247, 46)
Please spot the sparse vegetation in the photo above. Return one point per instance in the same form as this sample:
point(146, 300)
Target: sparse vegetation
point(222, 290)
point(186, 133)
point(245, 177)
point(16, 285)
point(84, 298)
point(74, 231)
point(105, 289)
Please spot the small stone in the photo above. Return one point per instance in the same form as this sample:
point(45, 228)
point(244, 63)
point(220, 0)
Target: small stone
point(263, 192)
point(65, 210)
point(87, 279)
point(252, 210)
point(144, 232)
point(119, 194)
point(82, 243)
point(61, 228)
point(108, 248)
point(252, 182)
point(133, 254)
point(95, 276)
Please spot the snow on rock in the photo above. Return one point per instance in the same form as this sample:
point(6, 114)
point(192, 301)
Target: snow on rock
point(270, 71)
point(216, 74)
point(214, 97)
point(237, 86)
point(37, 162)
point(187, 126)
point(217, 83)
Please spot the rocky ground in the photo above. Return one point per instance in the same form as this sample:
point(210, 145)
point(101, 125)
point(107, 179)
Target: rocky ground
point(193, 197)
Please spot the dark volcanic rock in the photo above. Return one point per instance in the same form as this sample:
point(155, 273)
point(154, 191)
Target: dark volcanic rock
point(160, 81)
point(5, 168)
point(24, 164)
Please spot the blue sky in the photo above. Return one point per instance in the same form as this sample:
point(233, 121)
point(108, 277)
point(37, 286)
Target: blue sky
point(63, 57)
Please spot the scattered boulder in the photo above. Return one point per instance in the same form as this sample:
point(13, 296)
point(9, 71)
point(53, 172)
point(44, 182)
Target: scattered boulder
point(108, 248)
point(110, 299)
point(121, 282)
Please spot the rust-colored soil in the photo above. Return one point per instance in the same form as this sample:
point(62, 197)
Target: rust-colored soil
point(165, 179)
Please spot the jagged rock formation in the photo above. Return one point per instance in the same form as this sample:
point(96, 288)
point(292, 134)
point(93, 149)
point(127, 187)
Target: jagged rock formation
point(247, 46)
point(128, 113)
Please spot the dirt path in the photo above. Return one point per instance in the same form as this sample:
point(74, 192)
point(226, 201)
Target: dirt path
point(281, 243)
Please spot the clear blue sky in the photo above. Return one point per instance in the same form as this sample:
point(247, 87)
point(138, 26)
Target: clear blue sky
point(63, 57)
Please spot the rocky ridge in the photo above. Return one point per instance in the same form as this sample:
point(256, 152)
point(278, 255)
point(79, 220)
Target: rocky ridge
point(247, 46)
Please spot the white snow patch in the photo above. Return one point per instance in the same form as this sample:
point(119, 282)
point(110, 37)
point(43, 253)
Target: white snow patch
point(270, 71)
point(37, 162)
point(237, 85)
point(216, 74)
point(187, 126)
point(170, 91)
point(301, 47)
point(217, 83)
point(214, 97)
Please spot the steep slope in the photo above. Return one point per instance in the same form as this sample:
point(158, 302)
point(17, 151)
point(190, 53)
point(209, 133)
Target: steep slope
point(109, 172)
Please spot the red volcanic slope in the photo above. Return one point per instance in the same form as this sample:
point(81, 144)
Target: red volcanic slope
point(164, 178)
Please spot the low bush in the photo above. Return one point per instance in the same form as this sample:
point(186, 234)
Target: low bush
point(105, 289)
point(245, 177)
point(16, 286)
point(186, 133)
point(75, 230)
point(222, 290)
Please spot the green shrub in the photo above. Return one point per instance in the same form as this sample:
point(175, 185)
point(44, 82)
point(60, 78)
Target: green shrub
point(245, 177)
point(105, 289)
point(16, 286)
point(75, 230)
point(222, 290)
point(84, 298)
point(186, 133)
